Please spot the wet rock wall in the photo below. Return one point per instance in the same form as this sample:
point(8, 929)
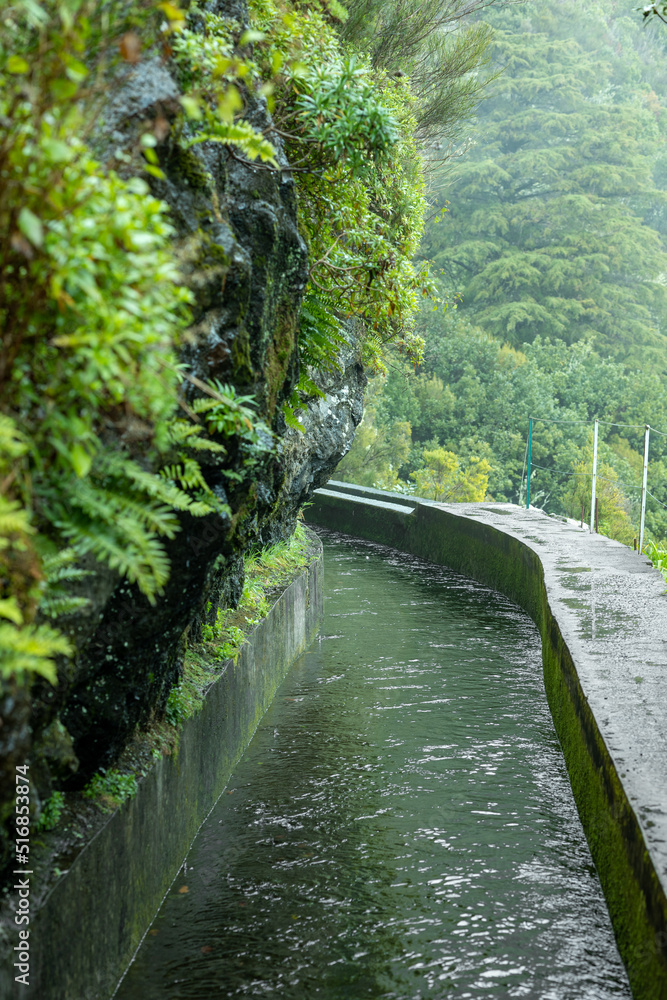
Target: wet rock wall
point(246, 262)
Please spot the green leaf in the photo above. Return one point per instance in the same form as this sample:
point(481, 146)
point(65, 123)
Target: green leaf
point(154, 171)
point(192, 107)
point(31, 226)
point(250, 36)
point(81, 460)
point(57, 151)
point(17, 65)
point(76, 70)
point(175, 15)
point(9, 609)
point(62, 90)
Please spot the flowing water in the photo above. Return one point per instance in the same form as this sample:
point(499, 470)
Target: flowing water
point(401, 825)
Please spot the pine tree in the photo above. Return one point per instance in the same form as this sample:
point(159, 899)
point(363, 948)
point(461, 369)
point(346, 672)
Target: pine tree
point(557, 225)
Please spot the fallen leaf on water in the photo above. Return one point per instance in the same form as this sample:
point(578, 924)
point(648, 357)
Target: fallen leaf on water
point(184, 888)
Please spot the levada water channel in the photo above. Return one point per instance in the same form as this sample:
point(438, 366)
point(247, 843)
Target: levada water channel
point(401, 825)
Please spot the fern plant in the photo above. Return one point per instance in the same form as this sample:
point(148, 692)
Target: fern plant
point(60, 572)
point(210, 69)
point(321, 339)
point(25, 647)
point(92, 307)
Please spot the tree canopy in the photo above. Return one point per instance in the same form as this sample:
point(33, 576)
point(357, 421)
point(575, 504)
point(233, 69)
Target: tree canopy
point(556, 224)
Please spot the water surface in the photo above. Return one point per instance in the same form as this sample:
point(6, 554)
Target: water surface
point(401, 825)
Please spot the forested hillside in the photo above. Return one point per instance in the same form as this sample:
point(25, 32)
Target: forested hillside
point(552, 256)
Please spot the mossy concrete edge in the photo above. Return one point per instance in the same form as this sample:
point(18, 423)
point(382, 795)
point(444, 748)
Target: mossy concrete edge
point(634, 891)
point(89, 926)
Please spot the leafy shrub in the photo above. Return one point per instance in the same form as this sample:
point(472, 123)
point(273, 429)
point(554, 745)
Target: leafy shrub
point(351, 131)
point(210, 69)
point(52, 810)
point(442, 477)
point(92, 308)
point(658, 556)
point(110, 788)
point(183, 702)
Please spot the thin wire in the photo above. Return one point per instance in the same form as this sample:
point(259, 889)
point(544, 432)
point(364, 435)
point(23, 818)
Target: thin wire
point(611, 423)
point(584, 475)
point(656, 500)
point(618, 482)
point(559, 475)
point(607, 423)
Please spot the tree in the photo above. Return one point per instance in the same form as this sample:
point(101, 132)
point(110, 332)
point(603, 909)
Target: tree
point(556, 220)
point(442, 477)
point(436, 46)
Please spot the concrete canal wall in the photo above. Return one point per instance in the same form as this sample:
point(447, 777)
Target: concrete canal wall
point(602, 613)
point(89, 923)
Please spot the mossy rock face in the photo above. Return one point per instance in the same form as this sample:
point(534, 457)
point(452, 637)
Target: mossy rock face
point(246, 263)
point(186, 169)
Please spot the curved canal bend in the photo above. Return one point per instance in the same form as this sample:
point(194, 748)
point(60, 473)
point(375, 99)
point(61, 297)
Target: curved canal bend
point(402, 824)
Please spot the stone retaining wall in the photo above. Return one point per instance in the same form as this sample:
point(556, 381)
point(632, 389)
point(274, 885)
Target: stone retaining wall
point(91, 922)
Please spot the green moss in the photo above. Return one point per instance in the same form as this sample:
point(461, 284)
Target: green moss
point(241, 358)
point(279, 358)
point(185, 167)
point(631, 886)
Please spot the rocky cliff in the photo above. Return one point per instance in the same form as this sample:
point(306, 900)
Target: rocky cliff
point(246, 262)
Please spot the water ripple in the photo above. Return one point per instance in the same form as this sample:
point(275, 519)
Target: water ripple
point(401, 825)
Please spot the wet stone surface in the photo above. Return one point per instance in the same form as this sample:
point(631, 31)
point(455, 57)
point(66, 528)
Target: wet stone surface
point(611, 608)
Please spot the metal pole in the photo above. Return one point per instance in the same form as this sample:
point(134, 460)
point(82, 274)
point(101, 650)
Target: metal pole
point(595, 476)
point(530, 448)
point(647, 431)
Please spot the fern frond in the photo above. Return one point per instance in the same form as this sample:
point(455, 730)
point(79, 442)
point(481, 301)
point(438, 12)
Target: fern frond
point(120, 466)
point(62, 604)
point(206, 444)
point(321, 335)
point(188, 474)
point(239, 134)
point(58, 567)
point(125, 547)
point(59, 570)
point(190, 435)
point(12, 442)
point(14, 518)
point(291, 418)
point(10, 610)
point(31, 649)
point(115, 508)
